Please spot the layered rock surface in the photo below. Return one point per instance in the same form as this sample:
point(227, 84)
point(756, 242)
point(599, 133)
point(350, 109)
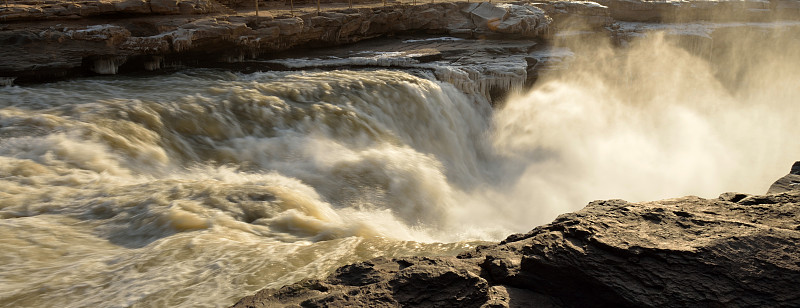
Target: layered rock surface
point(486, 68)
point(734, 251)
point(787, 183)
point(44, 40)
point(144, 42)
point(35, 10)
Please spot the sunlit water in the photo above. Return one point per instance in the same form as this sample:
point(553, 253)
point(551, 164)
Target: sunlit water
point(200, 187)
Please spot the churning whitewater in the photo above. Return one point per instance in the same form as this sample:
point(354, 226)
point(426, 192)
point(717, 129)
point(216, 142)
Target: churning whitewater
point(184, 189)
point(200, 187)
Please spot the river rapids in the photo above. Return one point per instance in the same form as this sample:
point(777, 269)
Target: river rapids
point(199, 187)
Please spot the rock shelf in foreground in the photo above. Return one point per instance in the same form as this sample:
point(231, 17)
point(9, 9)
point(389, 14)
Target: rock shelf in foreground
point(734, 251)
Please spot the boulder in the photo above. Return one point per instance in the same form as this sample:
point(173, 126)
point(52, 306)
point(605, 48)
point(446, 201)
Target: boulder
point(517, 20)
point(522, 20)
point(484, 15)
point(576, 15)
point(165, 6)
point(132, 6)
point(288, 26)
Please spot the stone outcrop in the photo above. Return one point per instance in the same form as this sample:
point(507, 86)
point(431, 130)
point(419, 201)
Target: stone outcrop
point(577, 15)
point(787, 183)
point(34, 10)
point(734, 251)
point(509, 19)
point(137, 41)
point(136, 35)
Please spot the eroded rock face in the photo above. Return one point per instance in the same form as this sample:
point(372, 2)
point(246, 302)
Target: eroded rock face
point(139, 30)
point(230, 38)
point(415, 282)
point(734, 251)
point(671, 253)
point(32, 10)
point(787, 183)
point(577, 15)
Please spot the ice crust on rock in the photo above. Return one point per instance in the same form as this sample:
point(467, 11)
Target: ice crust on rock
point(235, 37)
point(483, 80)
point(507, 18)
point(478, 75)
point(108, 66)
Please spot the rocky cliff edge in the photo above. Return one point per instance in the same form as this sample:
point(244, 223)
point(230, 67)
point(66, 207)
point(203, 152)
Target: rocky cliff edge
point(46, 40)
point(36, 51)
point(733, 251)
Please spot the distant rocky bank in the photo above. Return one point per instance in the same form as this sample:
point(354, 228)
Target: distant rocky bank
point(734, 251)
point(60, 39)
point(132, 39)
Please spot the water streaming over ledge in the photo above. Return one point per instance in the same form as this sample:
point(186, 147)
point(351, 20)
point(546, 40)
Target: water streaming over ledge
point(213, 183)
point(197, 188)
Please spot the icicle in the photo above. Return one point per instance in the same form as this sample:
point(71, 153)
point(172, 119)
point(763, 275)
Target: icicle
point(108, 66)
point(483, 80)
point(7, 81)
point(154, 63)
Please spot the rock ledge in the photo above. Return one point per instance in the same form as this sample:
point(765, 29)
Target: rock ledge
point(734, 251)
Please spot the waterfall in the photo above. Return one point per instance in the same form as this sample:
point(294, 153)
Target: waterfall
point(198, 187)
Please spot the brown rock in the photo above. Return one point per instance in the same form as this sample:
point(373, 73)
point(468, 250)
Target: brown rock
point(577, 15)
point(287, 26)
point(508, 19)
point(132, 6)
point(381, 282)
point(165, 6)
point(738, 250)
point(227, 37)
point(787, 183)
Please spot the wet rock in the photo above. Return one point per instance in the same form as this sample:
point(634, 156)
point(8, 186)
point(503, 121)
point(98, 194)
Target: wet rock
point(738, 250)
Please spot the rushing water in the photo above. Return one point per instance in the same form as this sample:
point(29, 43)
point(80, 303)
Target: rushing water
point(200, 187)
